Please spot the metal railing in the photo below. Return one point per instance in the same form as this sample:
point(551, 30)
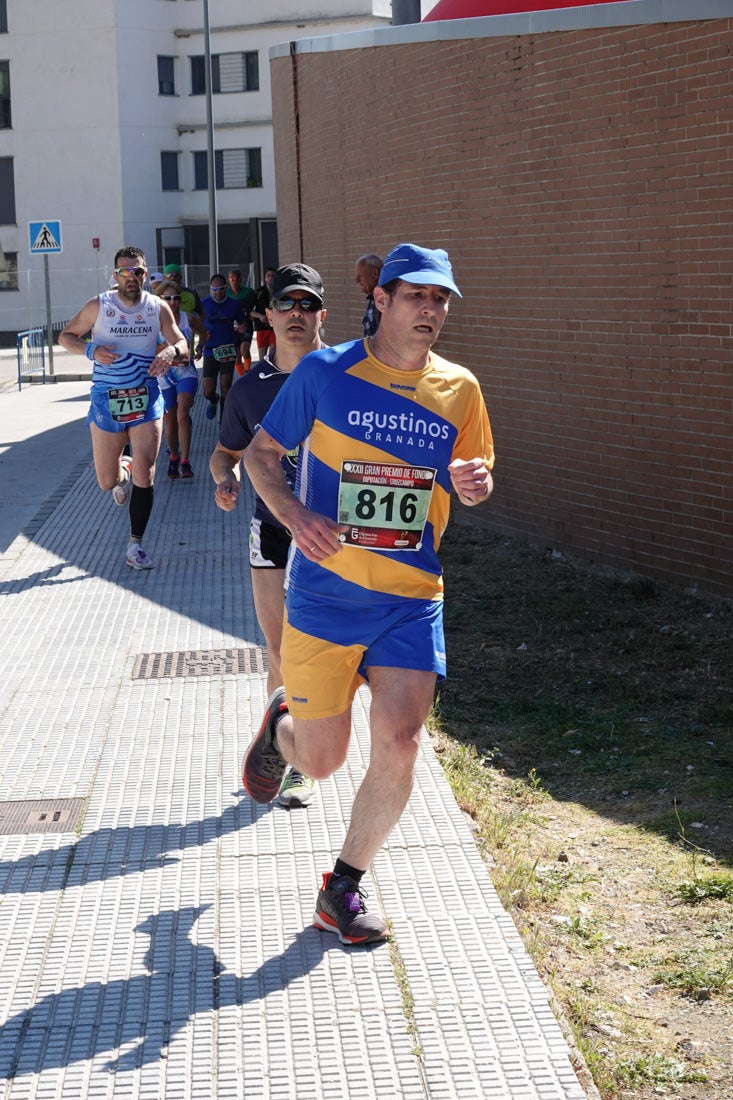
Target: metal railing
point(31, 352)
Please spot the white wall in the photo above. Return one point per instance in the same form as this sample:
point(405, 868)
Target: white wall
point(89, 126)
point(64, 141)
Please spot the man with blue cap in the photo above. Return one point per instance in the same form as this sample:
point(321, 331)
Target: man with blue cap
point(386, 428)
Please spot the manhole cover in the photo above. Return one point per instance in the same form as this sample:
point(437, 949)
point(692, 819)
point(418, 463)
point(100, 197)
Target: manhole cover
point(248, 661)
point(53, 815)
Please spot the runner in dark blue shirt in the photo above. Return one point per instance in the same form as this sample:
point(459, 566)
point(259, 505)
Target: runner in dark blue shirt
point(297, 314)
point(224, 318)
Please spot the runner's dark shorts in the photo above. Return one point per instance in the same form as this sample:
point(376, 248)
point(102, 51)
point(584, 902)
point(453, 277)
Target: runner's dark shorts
point(214, 367)
point(268, 545)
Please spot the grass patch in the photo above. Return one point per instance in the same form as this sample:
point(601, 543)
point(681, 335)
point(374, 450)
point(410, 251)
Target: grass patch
point(406, 997)
point(606, 689)
point(657, 1069)
point(586, 726)
point(707, 886)
point(695, 974)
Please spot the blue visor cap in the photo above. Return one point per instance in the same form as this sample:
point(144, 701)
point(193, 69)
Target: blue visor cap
point(413, 264)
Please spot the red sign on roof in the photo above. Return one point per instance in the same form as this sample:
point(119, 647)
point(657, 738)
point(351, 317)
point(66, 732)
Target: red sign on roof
point(471, 9)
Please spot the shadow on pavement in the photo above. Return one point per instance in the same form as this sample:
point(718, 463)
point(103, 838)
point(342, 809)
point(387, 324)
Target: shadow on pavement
point(36, 472)
point(108, 853)
point(184, 979)
point(199, 551)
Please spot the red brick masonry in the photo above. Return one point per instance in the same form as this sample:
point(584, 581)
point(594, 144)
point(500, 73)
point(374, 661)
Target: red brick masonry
point(582, 182)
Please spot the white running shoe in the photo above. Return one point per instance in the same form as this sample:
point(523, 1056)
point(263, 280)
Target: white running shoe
point(121, 491)
point(137, 558)
point(297, 789)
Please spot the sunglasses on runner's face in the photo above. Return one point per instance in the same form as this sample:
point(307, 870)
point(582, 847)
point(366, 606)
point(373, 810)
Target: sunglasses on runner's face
point(126, 272)
point(216, 287)
point(171, 297)
point(284, 305)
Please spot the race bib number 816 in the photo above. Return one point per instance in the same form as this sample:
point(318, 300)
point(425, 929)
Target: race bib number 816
point(385, 506)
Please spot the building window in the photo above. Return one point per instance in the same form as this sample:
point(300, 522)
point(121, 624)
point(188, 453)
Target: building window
point(7, 191)
point(8, 270)
point(200, 177)
point(3, 17)
point(254, 167)
point(230, 72)
point(169, 172)
point(166, 76)
point(234, 168)
point(5, 122)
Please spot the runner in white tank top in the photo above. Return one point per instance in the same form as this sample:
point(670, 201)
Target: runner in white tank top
point(126, 402)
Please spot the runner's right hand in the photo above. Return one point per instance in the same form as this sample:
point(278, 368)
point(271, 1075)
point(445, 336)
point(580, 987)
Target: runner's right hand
point(226, 494)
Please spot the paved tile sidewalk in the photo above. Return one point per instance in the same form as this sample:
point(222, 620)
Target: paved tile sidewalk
point(163, 947)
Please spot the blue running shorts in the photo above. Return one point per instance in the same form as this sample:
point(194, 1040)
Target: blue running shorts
point(100, 410)
point(327, 648)
point(183, 385)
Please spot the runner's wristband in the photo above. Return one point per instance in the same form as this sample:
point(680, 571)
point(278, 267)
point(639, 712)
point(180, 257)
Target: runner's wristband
point(90, 349)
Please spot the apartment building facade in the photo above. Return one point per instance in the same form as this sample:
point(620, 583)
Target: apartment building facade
point(103, 130)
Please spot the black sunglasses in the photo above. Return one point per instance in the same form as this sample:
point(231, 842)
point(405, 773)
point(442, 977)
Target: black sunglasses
point(171, 297)
point(284, 305)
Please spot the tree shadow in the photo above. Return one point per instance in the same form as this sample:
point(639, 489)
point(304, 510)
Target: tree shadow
point(42, 578)
point(114, 852)
point(78, 523)
point(33, 487)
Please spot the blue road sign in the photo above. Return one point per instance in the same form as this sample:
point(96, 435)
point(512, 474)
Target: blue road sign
point(45, 236)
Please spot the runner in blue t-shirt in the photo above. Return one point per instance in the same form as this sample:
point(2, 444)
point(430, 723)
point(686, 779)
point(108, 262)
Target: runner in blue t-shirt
point(225, 320)
point(386, 429)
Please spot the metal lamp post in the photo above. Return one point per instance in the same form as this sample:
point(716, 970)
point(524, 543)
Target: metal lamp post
point(210, 164)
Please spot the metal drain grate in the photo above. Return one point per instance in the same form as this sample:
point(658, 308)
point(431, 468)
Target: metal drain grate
point(54, 815)
point(250, 661)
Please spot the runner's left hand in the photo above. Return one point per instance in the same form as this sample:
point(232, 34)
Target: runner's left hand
point(163, 361)
point(471, 480)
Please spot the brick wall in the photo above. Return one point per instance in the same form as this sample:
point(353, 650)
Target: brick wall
point(582, 182)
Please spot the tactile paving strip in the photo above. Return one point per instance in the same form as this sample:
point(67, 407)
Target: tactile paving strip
point(167, 950)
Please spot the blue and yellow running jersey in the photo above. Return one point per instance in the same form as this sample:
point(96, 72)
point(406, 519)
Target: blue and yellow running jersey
point(376, 445)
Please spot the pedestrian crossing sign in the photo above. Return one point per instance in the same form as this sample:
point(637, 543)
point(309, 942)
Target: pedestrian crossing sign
point(45, 236)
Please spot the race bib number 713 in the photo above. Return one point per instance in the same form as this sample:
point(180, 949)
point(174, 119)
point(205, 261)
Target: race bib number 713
point(127, 406)
point(384, 505)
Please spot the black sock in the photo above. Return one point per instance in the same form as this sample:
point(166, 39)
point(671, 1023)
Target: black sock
point(340, 868)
